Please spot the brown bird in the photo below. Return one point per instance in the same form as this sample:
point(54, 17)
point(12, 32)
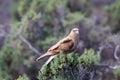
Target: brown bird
point(67, 44)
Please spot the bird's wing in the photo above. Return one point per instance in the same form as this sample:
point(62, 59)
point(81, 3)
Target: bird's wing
point(66, 44)
point(54, 47)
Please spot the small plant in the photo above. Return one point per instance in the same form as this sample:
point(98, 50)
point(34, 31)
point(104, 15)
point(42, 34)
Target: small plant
point(9, 62)
point(117, 73)
point(72, 18)
point(23, 77)
point(89, 58)
point(114, 11)
point(70, 67)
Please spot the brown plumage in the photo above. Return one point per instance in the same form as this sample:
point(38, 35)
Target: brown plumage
point(67, 44)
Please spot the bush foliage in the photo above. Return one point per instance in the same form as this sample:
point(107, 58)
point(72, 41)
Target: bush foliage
point(70, 67)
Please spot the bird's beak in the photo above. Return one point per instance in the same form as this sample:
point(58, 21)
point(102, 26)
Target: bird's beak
point(77, 31)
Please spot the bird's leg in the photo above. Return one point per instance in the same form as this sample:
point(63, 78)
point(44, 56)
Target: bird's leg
point(74, 51)
point(62, 53)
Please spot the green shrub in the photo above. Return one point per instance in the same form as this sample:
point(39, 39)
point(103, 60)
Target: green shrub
point(89, 58)
point(23, 77)
point(67, 67)
point(114, 11)
point(9, 62)
point(117, 73)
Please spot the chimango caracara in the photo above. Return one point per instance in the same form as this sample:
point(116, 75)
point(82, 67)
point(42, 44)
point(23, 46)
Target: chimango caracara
point(67, 44)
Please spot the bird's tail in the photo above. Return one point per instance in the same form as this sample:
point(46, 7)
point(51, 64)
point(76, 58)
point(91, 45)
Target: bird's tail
point(44, 55)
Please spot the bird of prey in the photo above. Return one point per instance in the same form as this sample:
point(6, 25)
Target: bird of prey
point(67, 44)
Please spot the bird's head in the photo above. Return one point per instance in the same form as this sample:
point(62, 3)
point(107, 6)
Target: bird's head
point(74, 32)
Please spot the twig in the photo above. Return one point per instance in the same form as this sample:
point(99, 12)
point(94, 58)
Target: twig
point(115, 52)
point(72, 74)
point(103, 46)
point(100, 50)
point(115, 67)
point(18, 33)
point(92, 75)
point(29, 45)
point(25, 41)
point(102, 66)
point(48, 61)
point(107, 66)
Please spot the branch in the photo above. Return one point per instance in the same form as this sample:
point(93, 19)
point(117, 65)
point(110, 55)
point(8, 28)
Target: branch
point(115, 67)
point(100, 50)
point(26, 42)
point(92, 75)
point(29, 45)
point(108, 67)
point(48, 61)
point(4, 34)
point(115, 52)
point(102, 66)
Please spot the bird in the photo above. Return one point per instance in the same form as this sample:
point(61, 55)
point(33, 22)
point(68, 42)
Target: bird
point(67, 44)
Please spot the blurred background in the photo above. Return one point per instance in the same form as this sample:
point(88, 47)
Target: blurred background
point(29, 27)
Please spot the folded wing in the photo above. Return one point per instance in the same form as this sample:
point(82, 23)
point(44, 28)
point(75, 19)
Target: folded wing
point(64, 45)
